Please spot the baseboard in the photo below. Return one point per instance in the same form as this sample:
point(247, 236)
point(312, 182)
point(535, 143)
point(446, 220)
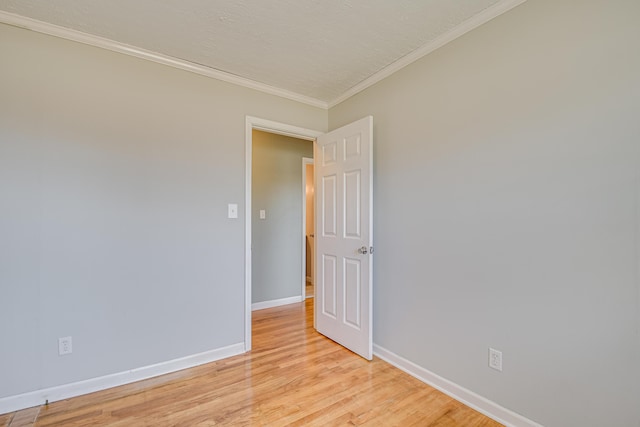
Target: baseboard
point(459, 393)
point(275, 303)
point(66, 391)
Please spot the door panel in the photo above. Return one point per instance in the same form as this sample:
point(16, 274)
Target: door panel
point(344, 236)
point(352, 201)
point(352, 282)
point(328, 288)
point(329, 202)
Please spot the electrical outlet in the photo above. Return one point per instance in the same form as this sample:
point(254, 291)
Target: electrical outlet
point(65, 346)
point(495, 359)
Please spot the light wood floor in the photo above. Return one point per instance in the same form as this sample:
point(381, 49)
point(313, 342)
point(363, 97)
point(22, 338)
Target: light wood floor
point(293, 376)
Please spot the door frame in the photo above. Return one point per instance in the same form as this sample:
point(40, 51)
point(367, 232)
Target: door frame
point(270, 126)
point(305, 161)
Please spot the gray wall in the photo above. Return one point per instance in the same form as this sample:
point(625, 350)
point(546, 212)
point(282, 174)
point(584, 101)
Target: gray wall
point(277, 240)
point(506, 206)
point(507, 210)
point(115, 175)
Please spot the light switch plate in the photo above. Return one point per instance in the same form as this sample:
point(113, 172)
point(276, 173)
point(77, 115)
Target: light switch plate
point(263, 214)
point(233, 210)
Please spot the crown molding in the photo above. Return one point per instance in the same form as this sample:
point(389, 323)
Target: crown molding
point(101, 42)
point(97, 41)
point(457, 31)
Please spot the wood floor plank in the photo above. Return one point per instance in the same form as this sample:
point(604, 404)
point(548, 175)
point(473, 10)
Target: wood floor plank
point(5, 419)
point(25, 417)
point(293, 376)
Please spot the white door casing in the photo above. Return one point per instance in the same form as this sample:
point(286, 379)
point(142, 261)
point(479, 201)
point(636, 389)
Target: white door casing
point(344, 235)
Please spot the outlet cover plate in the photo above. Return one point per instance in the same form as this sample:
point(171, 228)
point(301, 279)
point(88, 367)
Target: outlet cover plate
point(65, 346)
point(495, 359)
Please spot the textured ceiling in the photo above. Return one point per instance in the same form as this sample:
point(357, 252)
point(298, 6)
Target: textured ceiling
point(316, 48)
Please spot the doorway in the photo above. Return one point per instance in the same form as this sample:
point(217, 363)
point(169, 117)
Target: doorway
point(279, 220)
point(344, 247)
point(253, 123)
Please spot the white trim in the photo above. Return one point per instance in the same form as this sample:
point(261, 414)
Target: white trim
point(459, 393)
point(66, 391)
point(275, 303)
point(101, 42)
point(248, 138)
point(112, 45)
point(305, 161)
point(281, 129)
point(457, 31)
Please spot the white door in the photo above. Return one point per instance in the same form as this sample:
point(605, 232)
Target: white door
point(344, 196)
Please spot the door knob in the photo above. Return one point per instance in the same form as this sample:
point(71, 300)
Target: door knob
point(363, 250)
